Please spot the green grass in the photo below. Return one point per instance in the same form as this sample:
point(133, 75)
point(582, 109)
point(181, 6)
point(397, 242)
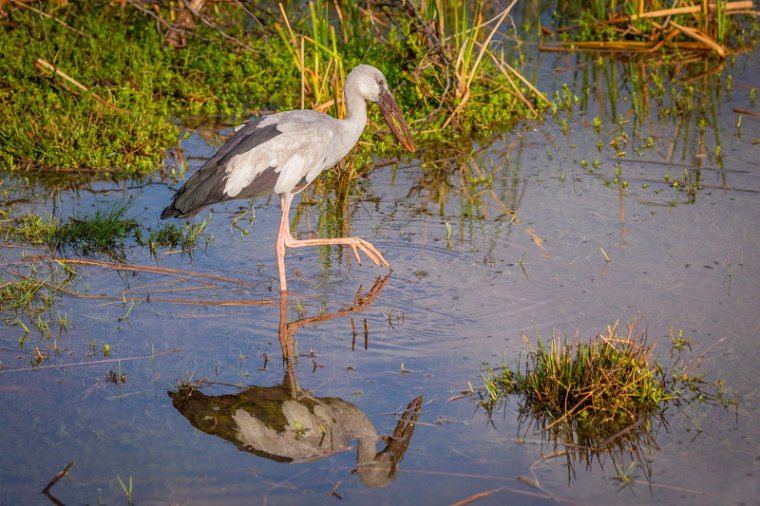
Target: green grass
point(135, 85)
point(169, 235)
point(27, 297)
point(108, 231)
point(608, 379)
point(49, 124)
point(608, 392)
point(29, 229)
point(105, 231)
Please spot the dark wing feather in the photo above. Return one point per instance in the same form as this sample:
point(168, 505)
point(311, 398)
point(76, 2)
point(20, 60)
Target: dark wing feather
point(206, 186)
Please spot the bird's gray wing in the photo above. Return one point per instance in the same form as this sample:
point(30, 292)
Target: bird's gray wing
point(287, 162)
point(206, 186)
point(279, 153)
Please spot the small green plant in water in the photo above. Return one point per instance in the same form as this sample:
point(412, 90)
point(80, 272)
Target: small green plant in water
point(103, 232)
point(606, 395)
point(127, 488)
point(606, 380)
point(171, 236)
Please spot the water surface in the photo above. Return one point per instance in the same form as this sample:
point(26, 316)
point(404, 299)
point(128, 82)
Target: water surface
point(456, 299)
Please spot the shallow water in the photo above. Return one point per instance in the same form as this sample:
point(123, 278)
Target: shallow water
point(448, 306)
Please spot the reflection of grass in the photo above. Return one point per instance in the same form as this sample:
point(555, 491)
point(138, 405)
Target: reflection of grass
point(601, 396)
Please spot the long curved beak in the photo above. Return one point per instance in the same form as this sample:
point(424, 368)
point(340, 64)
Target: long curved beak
point(395, 119)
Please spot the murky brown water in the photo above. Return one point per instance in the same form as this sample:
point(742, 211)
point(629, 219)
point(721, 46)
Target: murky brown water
point(450, 305)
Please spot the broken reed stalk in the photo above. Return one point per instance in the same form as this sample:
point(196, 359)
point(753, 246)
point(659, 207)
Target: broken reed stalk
point(60, 474)
point(148, 268)
point(704, 40)
point(45, 66)
point(730, 8)
point(123, 297)
point(702, 37)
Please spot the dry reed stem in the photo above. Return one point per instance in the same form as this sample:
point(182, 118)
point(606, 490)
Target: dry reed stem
point(702, 37)
point(57, 477)
point(745, 111)
point(467, 84)
point(124, 298)
point(148, 268)
point(691, 9)
point(44, 65)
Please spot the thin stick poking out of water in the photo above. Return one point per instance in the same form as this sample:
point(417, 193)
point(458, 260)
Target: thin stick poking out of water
point(60, 474)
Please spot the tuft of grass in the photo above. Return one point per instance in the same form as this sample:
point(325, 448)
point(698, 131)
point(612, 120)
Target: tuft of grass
point(172, 236)
point(103, 232)
point(29, 229)
point(610, 380)
point(28, 294)
point(127, 489)
point(605, 395)
point(25, 294)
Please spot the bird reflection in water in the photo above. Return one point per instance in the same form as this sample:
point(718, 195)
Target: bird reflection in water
point(288, 424)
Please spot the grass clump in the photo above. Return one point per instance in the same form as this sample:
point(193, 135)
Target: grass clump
point(29, 229)
point(604, 396)
point(107, 231)
point(103, 232)
point(27, 298)
point(608, 380)
point(184, 237)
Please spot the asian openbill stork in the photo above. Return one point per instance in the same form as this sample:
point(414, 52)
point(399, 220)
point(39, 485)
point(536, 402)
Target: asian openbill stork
point(284, 152)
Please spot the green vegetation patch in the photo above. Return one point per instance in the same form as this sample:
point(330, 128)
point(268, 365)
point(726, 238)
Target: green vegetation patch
point(92, 87)
point(103, 232)
point(590, 393)
point(85, 102)
point(97, 87)
point(107, 231)
point(172, 236)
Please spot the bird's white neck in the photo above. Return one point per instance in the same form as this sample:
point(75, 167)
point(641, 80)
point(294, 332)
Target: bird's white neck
point(357, 109)
point(356, 119)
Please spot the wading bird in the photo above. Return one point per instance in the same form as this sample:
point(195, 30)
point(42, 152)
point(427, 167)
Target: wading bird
point(283, 153)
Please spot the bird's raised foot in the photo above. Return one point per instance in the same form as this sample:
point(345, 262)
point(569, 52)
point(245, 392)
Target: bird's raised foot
point(355, 243)
point(368, 249)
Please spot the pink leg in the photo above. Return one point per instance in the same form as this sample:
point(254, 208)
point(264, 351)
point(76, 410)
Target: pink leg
point(285, 240)
point(279, 245)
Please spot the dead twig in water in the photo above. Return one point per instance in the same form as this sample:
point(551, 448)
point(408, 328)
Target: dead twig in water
point(60, 474)
point(334, 491)
point(148, 268)
point(124, 298)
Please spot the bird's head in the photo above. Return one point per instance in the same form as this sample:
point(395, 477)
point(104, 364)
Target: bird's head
point(371, 85)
